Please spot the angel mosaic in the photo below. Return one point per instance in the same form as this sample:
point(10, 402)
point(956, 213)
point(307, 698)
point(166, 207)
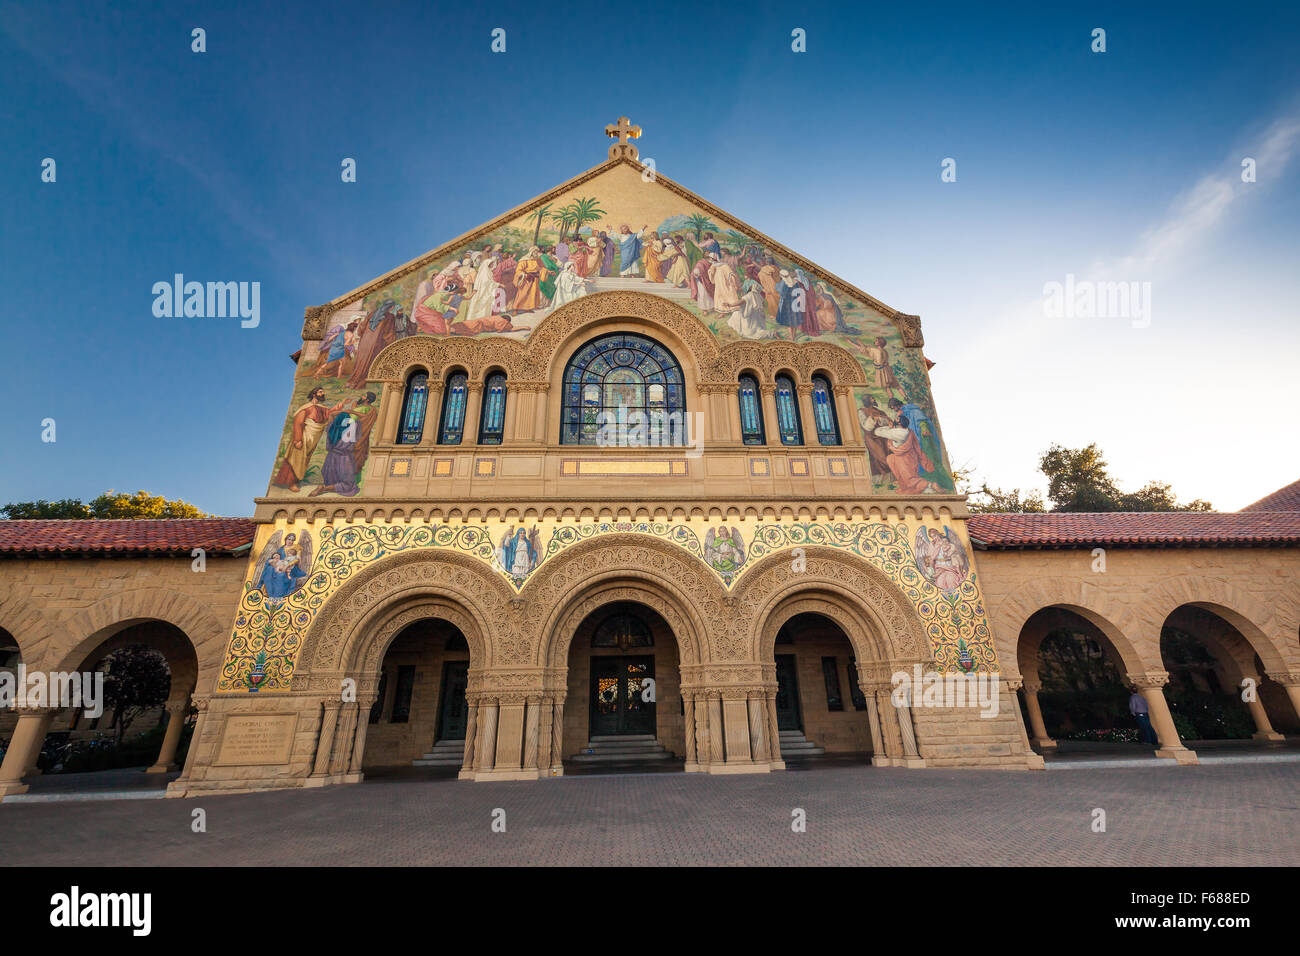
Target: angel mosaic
point(941, 559)
point(284, 565)
point(724, 549)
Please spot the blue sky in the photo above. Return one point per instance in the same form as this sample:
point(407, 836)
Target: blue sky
point(1123, 165)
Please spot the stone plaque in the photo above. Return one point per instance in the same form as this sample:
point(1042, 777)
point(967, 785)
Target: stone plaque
point(257, 739)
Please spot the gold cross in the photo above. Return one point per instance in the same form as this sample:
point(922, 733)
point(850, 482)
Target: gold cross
point(624, 130)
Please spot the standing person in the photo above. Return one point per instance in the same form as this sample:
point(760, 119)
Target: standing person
point(629, 251)
point(1137, 706)
point(308, 424)
point(528, 278)
point(726, 285)
point(606, 254)
point(701, 286)
point(885, 380)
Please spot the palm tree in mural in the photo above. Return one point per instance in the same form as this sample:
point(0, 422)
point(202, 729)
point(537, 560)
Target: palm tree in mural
point(699, 223)
point(539, 215)
point(562, 218)
point(585, 210)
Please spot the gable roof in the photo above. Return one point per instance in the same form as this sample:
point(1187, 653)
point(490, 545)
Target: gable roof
point(170, 536)
point(314, 321)
point(1162, 529)
point(1284, 499)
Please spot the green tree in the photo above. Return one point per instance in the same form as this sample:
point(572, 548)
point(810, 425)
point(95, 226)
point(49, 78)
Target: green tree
point(111, 504)
point(136, 679)
point(585, 210)
point(700, 223)
point(985, 500)
point(539, 215)
point(1078, 479)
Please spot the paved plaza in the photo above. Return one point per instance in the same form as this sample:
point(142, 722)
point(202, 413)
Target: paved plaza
point(1245, 814)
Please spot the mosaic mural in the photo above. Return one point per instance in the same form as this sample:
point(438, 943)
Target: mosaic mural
point(610, 233)
point(929, 565)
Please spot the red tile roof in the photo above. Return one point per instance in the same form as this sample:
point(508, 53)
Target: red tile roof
point(1284, 499)
point(1165, 529)
point(167, 536)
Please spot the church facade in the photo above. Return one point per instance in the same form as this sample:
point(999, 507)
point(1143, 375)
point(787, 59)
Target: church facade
point(617, 477)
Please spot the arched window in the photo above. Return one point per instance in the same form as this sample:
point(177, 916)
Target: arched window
point(823, 402)
point(619, 381)
point(751, 412)
point(452, 427)
point(787, 412)
point(492, 420)
point(415, 402)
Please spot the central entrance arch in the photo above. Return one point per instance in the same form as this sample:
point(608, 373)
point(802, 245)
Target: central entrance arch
point(624, 682)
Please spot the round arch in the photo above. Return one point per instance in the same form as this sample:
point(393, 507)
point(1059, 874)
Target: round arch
point(885, 626)
point(93, 626)
point(25, 623)
point(677, 586)
point(353, 627)
point(1114, 618)
point(1251, 617)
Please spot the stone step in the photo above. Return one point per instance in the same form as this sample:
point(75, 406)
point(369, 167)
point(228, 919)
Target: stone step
point(621, 738)
point(445, 753)
point(605, 757)
point(636, 748)
point(795, 744)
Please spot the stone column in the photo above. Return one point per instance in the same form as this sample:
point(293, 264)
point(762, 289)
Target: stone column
point(473, 405)
point(732, 398)
point(1151, 687)
point(773, 731)
point(471, 738)
point(850, 428)
point(735, 721)
point(510, 735)
point(757, 733)
point(878, 756)
point(176, 711)
point(893, 737)
point(810, 437)
point(703, 739)
point(391, 400)
point(910, 753)
point(24, 748)
point(1039, 730)
point(1263, 727)
point(771, 427)
point(346, 738)
point(557, 738)
point(532, 727)
point(432, 413)
point(688, 718)
point(545, 735)
point(487, 749)
point(717, 753)
point(358, 754)
point(325, 742)
point(1292, 684)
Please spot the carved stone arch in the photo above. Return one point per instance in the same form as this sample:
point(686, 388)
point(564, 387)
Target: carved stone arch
point(851, 584)
point(367, 655)
point(685, 585)
point(91, 626)
point(1115, 619)
point(612, 588)
point(551, 342)
point(1256, 621)
point(344, 624)
point(26, 624)
point(438, 353)
point(803, 359)
point(861, 630)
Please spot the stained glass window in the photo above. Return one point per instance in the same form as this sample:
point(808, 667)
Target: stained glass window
point(823, 402)
point(492, 421)
point(787, 412)
point(414, 405)
point(452, 427)
point(615, 377)
point(751, 412)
